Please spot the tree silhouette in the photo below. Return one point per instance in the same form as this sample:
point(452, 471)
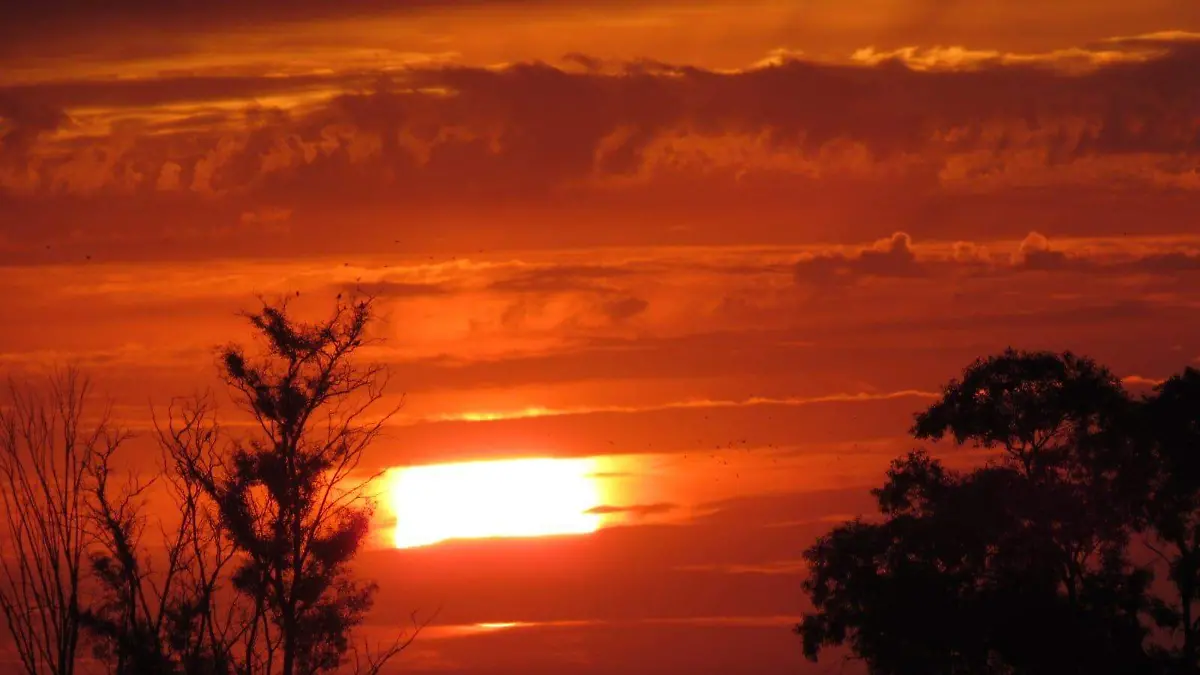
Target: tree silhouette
point(289, 496)
point(167, 620)
point(1020, 566)
point(1170, 429)
point(251, 573)
point(47, 447)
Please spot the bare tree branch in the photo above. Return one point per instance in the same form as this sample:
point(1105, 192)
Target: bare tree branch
point(46, 450)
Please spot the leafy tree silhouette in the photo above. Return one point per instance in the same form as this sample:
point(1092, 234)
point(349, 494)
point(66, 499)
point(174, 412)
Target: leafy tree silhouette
point(1169, 428)
point(1020, 566)
point(278, 515)
point(290, 498)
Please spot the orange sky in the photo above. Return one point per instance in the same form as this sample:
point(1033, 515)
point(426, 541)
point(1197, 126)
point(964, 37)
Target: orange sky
point(728, 248)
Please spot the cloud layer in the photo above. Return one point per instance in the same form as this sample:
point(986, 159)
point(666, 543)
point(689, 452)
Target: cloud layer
point(938, 140)
point(967, 118)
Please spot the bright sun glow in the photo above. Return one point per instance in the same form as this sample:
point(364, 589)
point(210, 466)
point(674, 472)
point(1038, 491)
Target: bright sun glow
point(505, 498)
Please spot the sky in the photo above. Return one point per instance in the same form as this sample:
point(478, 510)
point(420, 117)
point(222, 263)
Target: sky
point(719, 253)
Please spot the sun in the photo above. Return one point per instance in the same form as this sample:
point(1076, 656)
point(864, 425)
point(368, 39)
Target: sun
point(504, 498)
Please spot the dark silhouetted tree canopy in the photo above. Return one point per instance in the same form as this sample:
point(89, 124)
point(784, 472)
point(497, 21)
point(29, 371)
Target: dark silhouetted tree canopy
point(1170, 431)
point(1019, 566)
point(290, 498)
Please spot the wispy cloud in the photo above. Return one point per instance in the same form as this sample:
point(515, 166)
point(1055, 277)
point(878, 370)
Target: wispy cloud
point(897, 258)
point(485, 416)
point(636, 510)
point(444, 631)
point(774, 567)
point(1139, 381)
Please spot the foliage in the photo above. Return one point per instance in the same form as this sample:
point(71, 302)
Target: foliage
point(1019, 566)
point(1168, 430)
point(289, 497)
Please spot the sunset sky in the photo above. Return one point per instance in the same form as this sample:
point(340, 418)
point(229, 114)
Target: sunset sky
point(716, 252)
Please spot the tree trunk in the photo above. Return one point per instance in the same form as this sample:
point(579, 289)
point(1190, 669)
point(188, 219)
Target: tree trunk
point(1186, 572)
point(289, 654)
point(1189, 630)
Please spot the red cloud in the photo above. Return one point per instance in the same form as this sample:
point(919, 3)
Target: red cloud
point(990, 144)
point(896, 257)
point(533, 126)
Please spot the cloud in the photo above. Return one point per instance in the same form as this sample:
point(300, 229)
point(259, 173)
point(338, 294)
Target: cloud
point(1167, 263)
point(754, 401)
point(560, 278)
point(23, 120)
point(1074, 59)
point(395, 289)
point(611, 304)
point(533, 155)
point(969, 252)
point(792, 567)
point(124, 356)
point(466, 130)
point(220, 12)
point(272, 217)
point(1035, 253)
point(1138, 381)
point(138, 93)
point(896, 258)
point(891, 257)
point(832, 518)
point(624, 309)
point(636, 510)
point(612, 474)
